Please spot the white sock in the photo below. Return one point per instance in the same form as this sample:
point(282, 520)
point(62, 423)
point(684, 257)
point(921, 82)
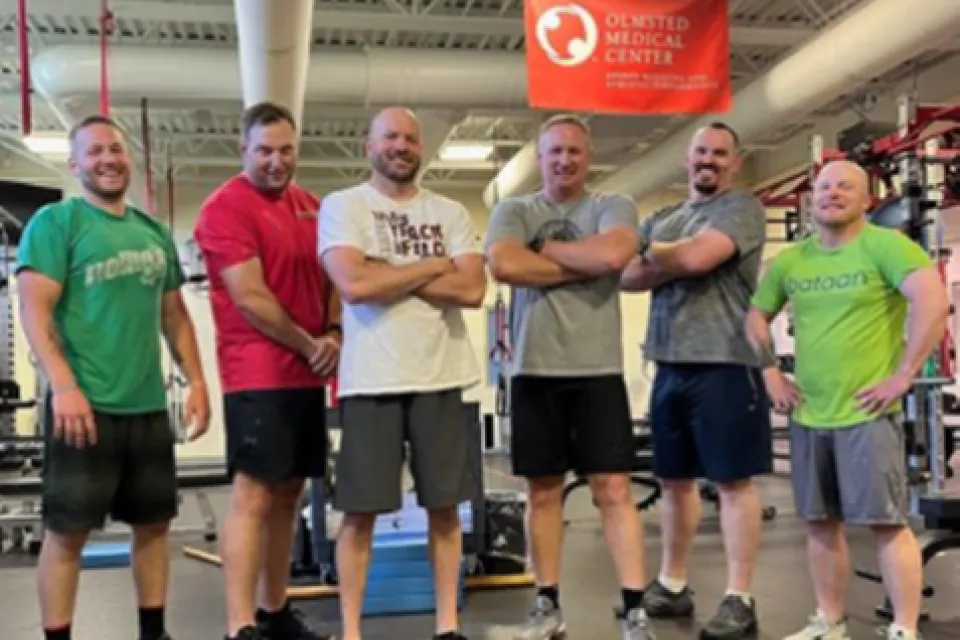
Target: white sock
point(671, 584)
point(746, 597)
point(896, 631)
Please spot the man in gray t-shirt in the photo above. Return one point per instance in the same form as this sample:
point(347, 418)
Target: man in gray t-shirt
point(562, 250)
point(709, 411)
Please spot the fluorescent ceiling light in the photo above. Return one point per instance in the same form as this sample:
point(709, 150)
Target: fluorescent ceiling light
point(466, 151)
point(47, 144)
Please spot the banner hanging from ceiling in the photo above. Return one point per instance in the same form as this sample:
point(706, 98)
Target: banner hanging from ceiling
point(628, 56)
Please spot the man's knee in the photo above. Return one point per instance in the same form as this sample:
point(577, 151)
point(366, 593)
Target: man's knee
point(611, 490)
point(151, 531)
point(444, 520)
point(678, 489)
point(545, 492)
point(735, 488)
point(886, 532)
point(66, 545)
point(358, 523)
point(258, 498)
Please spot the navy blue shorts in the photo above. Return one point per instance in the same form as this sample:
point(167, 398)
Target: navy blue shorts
point(710, 421)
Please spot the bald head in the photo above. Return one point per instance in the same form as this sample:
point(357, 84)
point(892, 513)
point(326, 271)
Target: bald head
point(392, 117)
point(841, 194)
point(394, 145)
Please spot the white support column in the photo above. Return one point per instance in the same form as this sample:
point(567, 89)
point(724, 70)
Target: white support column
point(275, 37)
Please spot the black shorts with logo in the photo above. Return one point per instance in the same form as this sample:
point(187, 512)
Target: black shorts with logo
point(128, 474)
point(710, 421)
point(276, 435)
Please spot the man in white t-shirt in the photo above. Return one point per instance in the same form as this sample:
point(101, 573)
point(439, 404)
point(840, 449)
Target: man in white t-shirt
point(405, 261)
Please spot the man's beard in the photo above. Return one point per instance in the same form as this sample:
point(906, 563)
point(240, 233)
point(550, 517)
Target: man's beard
point(89, 182)
point(382, 164)
point(706, 188)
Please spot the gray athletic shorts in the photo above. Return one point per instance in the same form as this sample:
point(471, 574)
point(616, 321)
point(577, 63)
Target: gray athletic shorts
point(856, 474)
point(375, 432)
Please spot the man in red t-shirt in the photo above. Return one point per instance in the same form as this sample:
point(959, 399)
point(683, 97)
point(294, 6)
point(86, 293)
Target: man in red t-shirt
point(278, 338)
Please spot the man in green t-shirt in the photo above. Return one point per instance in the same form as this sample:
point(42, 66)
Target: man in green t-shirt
point(850, 287)
point(98, 282)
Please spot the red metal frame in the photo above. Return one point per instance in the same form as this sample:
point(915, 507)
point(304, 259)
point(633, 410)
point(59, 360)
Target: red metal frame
point(931, 121)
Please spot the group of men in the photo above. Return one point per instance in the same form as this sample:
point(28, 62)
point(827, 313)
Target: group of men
point(369, 286)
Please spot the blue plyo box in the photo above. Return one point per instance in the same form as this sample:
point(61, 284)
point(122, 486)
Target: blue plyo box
point(401, 576)
point(105, 555)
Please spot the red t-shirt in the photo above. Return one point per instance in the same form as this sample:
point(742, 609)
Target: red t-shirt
point(236, 223)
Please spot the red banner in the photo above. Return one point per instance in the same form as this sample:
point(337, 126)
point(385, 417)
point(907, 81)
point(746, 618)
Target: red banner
point(628, 56)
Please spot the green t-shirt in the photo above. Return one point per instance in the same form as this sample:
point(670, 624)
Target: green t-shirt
point(114, 271)
point(848, 317)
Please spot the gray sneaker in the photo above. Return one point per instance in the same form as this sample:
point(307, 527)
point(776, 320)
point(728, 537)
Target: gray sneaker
point(636, 626)
point(545, 622)
point(819, 629)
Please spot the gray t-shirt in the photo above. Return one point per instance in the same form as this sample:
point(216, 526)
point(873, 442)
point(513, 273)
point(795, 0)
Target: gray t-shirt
point(570, 329)
point(701, 319)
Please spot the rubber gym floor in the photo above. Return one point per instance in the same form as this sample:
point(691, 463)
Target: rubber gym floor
point(588, 591)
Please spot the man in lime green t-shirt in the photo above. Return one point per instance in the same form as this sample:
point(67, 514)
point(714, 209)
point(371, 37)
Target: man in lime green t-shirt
point(98, 282)
point(850, 287)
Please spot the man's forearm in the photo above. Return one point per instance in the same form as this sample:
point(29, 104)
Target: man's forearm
point(522, 267)
point(670, 259)
point(926, 324)
point(44, 341)
point(378, 282)
point(182, 341)
point(456, 289)
point(593, 256)
point(642, 276)
point(262, 310)
point(761, 339)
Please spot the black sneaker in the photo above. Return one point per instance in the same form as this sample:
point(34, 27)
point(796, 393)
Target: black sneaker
point(660, 602)
point(734, 619)
point(246, 633)
point(286, 624)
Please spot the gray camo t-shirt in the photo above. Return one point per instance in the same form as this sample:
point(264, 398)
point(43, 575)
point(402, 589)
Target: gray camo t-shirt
point(570, 329)
point(701, 319)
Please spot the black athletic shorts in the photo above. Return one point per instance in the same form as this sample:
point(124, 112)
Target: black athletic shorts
point(129, 474)
point(559, 424)
point(710, 420)
point(276, 435)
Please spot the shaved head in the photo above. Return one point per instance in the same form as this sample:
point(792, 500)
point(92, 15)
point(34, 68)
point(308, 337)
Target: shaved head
point(841, 194)
point(392, 115)
point(395, 145)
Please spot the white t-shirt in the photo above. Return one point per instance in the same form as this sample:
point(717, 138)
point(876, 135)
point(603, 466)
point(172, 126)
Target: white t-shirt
point(408, 345)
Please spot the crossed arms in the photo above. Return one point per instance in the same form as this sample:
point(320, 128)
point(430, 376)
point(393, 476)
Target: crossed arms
point(440, 281)
point(666, 261)
point(513, 263)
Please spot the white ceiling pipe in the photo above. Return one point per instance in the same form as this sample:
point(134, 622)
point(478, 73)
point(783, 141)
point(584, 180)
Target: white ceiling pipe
point(274, 51)
point(843, 57)
point(375, 77)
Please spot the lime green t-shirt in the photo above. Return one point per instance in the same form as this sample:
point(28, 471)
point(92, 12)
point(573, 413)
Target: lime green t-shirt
point(848, 317)
point(114, 271)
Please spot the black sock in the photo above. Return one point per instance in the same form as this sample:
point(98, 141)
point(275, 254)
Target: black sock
point(446, 635)
point(60, 633)
point(552, 593)
point(632, 599)
point(271, 616)
point(151, 623)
